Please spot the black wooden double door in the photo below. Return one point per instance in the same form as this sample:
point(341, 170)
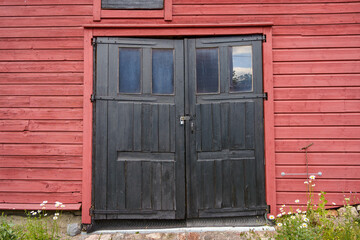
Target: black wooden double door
point(178, 128)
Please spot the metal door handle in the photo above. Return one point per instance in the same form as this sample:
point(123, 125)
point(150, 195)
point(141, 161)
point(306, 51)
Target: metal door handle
point(192, 126)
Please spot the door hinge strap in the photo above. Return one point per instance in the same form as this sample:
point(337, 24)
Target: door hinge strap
point(94, 98)
point(264, 38)
point(92, 211)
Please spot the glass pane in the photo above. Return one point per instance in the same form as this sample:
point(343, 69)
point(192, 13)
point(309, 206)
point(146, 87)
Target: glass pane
point(162, 71)
point(129, 70)
point(207, 70)
point(241, 69)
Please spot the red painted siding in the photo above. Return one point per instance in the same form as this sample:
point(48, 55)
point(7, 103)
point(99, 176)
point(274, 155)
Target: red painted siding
point(41, 77)
point(316, 65)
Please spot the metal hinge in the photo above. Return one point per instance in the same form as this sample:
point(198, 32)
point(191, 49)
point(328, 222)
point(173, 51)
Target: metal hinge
point(93, 41)
point(92, 211)
point(92, 98)
point(265, 96)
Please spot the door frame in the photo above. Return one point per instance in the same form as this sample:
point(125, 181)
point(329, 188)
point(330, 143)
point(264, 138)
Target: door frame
point(176, 30)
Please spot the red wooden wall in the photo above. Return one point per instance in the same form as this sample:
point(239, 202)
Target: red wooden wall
point(316, 53)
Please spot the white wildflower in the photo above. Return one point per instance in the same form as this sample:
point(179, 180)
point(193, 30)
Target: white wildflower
point(312, 177)
point(279, 224)
point(297, 200)
point(55, 217)
point(271, 217)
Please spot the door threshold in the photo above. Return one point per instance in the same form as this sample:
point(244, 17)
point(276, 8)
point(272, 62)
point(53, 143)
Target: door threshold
point(187, 229)
point(209, 224)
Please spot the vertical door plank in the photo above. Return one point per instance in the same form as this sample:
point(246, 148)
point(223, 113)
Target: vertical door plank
point(172, 123)
point(157, 185)
point(227, 186)
point(250, 183)
point(218, 184)
point(249, 125)
point(259, 153)
point(121, 188)
point(198, 127)
point(168, 186)
point(209, 184)
point(225, 125)
point(146, 185)
point(101, 130)
point(113, 134)
point(154, 128)
point(146, 127)
point(137, 126)
point(133, 185)
point(216, 121)
point(125, 125)
point(206, 127)
point(238, 181)
point(237, 125)
point(164, 130)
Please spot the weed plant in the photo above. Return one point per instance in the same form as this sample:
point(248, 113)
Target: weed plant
point(316, 222)
point(36, 226)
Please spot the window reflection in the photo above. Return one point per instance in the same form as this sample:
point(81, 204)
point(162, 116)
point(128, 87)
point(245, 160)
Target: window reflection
point(241, 79)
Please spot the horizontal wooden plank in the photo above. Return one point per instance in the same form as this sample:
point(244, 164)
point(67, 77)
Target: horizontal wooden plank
point(33, 206)
point(288, 198)
point(280, 42)
point(326, 106)
point(40, 149)
point(324, 80)
point(28, 32)
point(37, 90)
point(40, 113)
point(43, 2)
point(328, 185)
point(55, 125)
point(318, 30)
point(43, 55)
point(319, 145)
point(318, 132)
point(7, 101)
point(236, 9)
point(278, 20)
point(316, 67)
point(41, 43)
point(39, 186)
point(41, 125)
point(53, 21)
point(282, 55)
point(324, 158)
point(345, 119)
point(38, 198)
point(138, 14)
point(46, 10)
point(54, 66)
point(41, 161)
point(41, 78)
point(40, 174)
point(41, 137)
point(56, 101)
point(177, 2)
point(13, 125)
point(328, 172)
point(317, 93)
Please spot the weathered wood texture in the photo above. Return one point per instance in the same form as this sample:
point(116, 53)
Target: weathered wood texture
point(316, 52)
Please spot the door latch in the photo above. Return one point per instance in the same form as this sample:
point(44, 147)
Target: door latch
point(184, 118)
